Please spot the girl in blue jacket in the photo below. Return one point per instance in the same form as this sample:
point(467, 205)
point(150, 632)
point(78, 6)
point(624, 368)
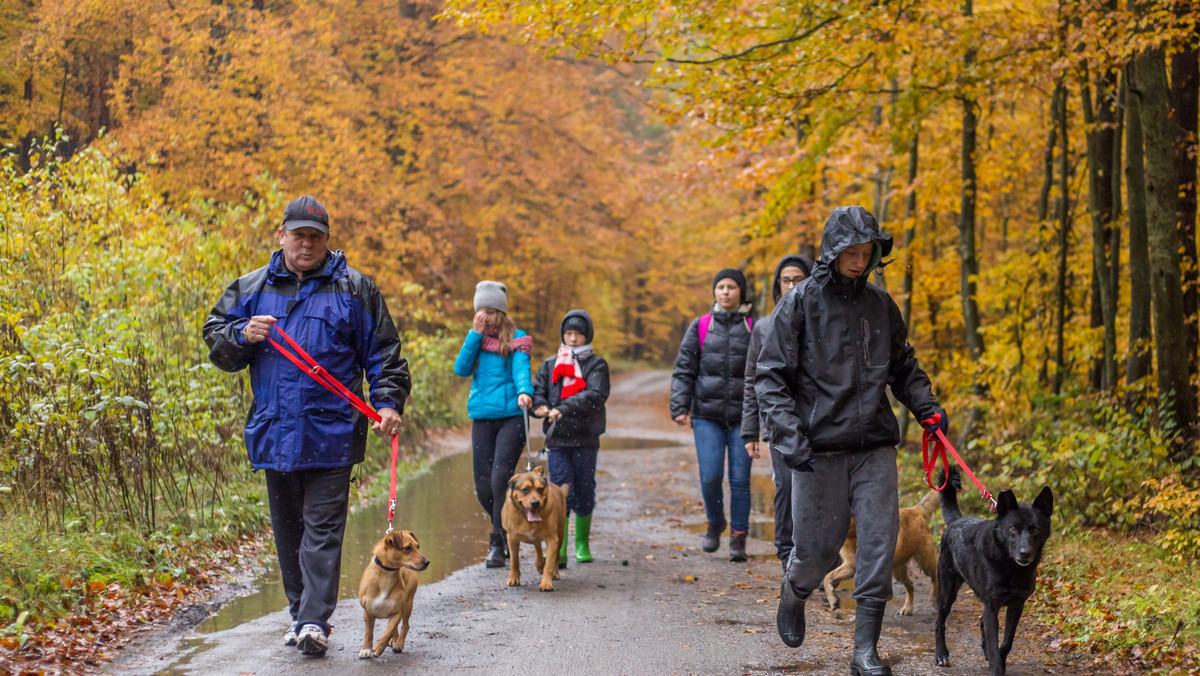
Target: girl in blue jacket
point(495, 355)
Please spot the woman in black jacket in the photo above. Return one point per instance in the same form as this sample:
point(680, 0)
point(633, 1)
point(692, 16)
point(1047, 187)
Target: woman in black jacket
point(706, 389)
point(569, 392)
point(792, 269)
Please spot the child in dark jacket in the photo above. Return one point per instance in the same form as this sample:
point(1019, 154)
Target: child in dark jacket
point(569, 392)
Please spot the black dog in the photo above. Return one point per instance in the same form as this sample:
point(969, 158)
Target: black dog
point(998, 558)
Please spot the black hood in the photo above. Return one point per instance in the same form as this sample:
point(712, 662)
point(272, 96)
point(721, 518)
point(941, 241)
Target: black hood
point(588, 333)
point(846, 227)
point(798, 260)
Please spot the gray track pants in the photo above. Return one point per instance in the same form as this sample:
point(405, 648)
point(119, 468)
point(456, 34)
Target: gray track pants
point(862, 483)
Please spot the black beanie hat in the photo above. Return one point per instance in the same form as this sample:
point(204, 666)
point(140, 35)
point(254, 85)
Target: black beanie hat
point(577, 320)
point(737, 276)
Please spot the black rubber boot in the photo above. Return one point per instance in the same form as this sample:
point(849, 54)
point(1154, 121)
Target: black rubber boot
point(737, 546)
point(712, 537)
point(496, 543)
point(868, 622)
point(789, 619)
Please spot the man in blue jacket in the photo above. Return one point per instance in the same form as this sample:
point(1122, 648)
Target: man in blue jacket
point(305, 437)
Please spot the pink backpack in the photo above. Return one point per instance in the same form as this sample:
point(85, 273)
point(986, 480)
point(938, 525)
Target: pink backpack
point(706, 321)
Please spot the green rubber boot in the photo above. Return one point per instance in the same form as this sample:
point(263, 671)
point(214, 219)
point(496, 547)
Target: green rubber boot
point(583, 529)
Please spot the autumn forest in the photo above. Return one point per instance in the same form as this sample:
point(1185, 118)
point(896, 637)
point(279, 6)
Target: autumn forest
point(1036, 163)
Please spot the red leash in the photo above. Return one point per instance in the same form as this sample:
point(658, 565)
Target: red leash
point(307, 364)
point(940, 446)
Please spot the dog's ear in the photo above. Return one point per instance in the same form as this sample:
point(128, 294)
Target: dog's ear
point(540, 469)
point(412, 535)
point(1044, 502)
point(395, 540)
point(512, 483)
point(1004, 502)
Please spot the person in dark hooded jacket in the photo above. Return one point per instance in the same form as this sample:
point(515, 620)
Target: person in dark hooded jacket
point(832, 348)
point(791, 270)
point(706, 389)
point(569, 392)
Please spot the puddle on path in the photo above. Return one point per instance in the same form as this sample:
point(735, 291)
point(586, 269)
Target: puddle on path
point(439, 505)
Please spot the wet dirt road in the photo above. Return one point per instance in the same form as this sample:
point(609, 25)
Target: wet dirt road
point(651, 603)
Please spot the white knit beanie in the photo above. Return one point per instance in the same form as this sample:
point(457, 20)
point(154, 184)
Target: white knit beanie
point(491, 295)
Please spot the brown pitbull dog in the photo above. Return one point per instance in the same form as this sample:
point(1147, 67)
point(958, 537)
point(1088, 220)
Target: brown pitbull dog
point(535, 512)
point(387, 588)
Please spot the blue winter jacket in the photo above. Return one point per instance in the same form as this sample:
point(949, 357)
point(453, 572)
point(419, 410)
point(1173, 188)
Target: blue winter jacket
point(339, 317)
point(496, 381)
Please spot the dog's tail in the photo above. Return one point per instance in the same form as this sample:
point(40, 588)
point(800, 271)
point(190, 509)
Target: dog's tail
point(929, 505)
point(949, 495)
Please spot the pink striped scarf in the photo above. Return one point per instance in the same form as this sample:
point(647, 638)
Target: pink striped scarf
point(522, 344)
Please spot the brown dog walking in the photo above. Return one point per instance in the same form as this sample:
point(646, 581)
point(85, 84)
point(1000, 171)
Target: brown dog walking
point(535, 512)
point(387, 588)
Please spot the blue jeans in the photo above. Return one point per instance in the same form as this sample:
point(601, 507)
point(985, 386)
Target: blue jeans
point(714, 442)
point(577, 467)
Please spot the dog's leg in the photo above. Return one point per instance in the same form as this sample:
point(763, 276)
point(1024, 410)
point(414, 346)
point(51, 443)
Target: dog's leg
point(539, 559)
point(927, 559)
point(836, 576)
point(949, 583)
point(514, 561)
point(1012, 615)
point(369, 621)
point(900, 572)
point(552, 558)
point(388, 635)
point(550, 571)
point(989, 625)
point(398, 642)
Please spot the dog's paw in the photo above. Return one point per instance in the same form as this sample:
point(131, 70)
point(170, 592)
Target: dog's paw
point(514, 581)
point(366, 654)
point(942, 660)
point(398, 647)
point(546, 585)
point(904, 612)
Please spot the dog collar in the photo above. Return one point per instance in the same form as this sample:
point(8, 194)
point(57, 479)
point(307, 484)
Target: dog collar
point(380, 564)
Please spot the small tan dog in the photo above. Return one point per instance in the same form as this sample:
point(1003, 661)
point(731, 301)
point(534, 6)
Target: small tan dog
point(387, 588)
point(912, 541)
point(535, 512)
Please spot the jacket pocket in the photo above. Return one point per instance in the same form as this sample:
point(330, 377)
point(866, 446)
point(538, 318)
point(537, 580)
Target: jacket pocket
point(875, 347)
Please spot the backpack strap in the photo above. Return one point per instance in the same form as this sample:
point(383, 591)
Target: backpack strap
point(705, 322)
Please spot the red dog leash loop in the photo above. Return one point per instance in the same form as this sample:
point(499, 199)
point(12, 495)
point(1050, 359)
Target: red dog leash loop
point(929, 462)
point(307, 364)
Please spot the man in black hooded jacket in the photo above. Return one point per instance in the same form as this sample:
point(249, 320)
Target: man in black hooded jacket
point(833, 346)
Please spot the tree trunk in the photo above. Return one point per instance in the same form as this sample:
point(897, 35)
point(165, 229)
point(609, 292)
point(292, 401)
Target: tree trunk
point(1064, 240)
point(1185, 78)
point(910, 215)
point(966, 234)
point(1048, 159)
point(1100, 140)
point(1138, 364)
point(1170, 338)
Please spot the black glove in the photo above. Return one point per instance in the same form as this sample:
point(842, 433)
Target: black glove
point(938, 421)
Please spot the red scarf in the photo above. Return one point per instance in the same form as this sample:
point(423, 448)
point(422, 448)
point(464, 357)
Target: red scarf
point(566, 369)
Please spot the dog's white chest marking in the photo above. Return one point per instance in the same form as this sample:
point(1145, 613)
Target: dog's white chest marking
point(381, 606)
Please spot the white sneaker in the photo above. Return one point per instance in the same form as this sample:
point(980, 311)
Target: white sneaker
point(290, 637)
point(311, 640)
